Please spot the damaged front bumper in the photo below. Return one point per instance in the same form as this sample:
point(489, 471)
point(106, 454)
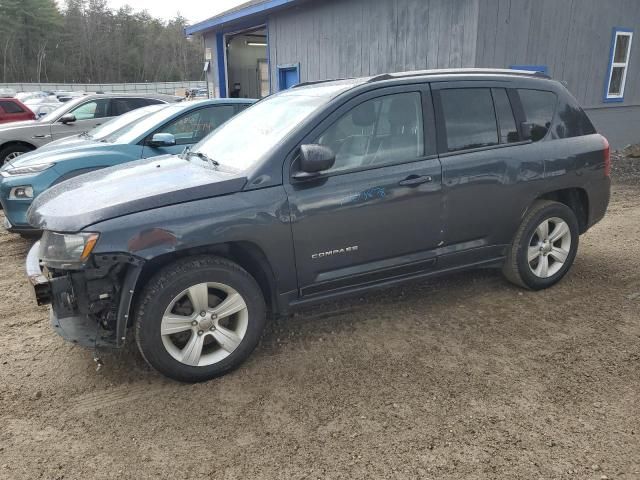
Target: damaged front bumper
point(89, 307)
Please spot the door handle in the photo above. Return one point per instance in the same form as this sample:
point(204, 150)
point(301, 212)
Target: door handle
point(413, 180)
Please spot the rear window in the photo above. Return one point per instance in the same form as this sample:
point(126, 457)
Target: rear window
point(470, 119)
point(539, 107)
point(10, 107)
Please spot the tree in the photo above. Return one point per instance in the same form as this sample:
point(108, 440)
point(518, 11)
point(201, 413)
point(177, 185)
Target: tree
point(87, 42)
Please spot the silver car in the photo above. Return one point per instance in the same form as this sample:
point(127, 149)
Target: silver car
point(71, 118)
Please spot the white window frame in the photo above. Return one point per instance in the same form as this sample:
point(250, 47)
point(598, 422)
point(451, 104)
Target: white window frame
point(617, 33)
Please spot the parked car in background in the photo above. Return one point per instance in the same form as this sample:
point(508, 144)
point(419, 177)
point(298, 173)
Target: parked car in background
point(142, 133)
point(13, 110)
point(27, 97)
point(42, 109)
point(316, 192)
point(73, 117)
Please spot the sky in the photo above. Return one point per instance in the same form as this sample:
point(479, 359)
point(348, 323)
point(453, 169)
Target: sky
point(193, 10)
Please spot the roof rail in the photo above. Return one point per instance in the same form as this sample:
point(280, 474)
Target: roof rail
point(457, 71)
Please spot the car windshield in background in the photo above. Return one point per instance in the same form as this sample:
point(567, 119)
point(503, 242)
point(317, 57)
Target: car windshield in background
point(243, 140)
point(111, 128)
point(135, 130)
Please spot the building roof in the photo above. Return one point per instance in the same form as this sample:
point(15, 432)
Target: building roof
point(252, 9)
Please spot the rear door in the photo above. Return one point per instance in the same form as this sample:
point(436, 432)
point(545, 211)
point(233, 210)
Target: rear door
point(377, 212)
point(486, 168)
point(190, 128)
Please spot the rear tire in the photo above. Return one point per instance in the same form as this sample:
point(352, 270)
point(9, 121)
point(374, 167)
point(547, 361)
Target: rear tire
point(544, 247)
point(12, 151)
point(199, 318)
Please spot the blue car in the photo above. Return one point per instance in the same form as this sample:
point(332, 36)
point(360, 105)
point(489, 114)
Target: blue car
point(142, 133)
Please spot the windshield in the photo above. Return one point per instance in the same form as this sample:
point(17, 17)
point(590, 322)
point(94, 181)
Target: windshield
point(110, 129)
point(135, 130)
point(244, 139)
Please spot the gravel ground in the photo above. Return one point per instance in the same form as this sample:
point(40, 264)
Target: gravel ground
point(461, 378)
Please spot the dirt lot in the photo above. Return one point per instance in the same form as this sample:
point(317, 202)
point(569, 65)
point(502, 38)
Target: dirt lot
point(467, 377)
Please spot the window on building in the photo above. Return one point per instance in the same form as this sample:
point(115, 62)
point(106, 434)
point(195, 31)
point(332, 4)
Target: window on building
point(506, 120)
point(469, 117)
point(618, 64)
point(377, 132)
point(539, 107)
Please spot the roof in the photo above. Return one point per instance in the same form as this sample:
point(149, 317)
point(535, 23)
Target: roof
point(255, 9)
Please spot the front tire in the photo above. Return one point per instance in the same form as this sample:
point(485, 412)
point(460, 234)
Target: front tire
point(12, 151)
point(199, 318)
point(544, 246)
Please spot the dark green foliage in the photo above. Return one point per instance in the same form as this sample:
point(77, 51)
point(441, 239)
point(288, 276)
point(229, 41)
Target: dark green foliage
point(86, 42)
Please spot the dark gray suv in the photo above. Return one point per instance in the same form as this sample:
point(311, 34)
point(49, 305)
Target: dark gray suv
point(323, 190)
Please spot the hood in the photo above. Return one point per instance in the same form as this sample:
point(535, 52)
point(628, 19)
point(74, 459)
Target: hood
point(129, 188)
point(83, 148)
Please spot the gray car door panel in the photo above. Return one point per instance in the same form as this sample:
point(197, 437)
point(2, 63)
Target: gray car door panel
point(384, 214)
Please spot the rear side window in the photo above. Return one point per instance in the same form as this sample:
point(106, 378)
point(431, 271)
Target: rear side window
point(124, 105)
point(539, 107)
point(571, 121)
point(470, 119)
point(10, 107)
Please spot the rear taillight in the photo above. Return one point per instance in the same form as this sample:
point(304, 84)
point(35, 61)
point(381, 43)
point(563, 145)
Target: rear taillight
point(607, 158)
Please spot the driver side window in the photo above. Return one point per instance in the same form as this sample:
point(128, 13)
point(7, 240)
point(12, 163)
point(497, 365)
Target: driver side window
point(194, 126)
point(91, 110)
point(380, 131)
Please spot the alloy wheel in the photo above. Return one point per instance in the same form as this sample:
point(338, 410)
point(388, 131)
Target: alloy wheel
point(11, 156)
point(204, 324)
point(549, 247)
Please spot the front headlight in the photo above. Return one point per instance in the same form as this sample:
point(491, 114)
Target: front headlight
point(15, 171)
point(66, 250)
point(23, 192)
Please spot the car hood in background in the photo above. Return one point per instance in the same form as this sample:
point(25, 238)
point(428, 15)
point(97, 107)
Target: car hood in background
point(63, 152)
point(133, 187)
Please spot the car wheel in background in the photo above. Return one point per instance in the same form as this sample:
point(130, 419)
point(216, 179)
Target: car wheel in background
point(544, 246)
point(12, 151)
point(199, 318)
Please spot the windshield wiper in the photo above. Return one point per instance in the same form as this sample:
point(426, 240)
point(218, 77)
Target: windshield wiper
point(202, 156)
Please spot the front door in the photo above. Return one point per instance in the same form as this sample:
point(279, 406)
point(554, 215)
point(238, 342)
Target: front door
point(88, 115)
point(377, 211)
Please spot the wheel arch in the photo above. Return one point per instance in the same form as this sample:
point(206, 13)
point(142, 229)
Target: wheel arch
point(17, 142)
point(246, 254)
point(576, 198)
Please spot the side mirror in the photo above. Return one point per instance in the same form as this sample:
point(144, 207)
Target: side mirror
point(67, 118)
point(313, 160)
point(162, 140)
